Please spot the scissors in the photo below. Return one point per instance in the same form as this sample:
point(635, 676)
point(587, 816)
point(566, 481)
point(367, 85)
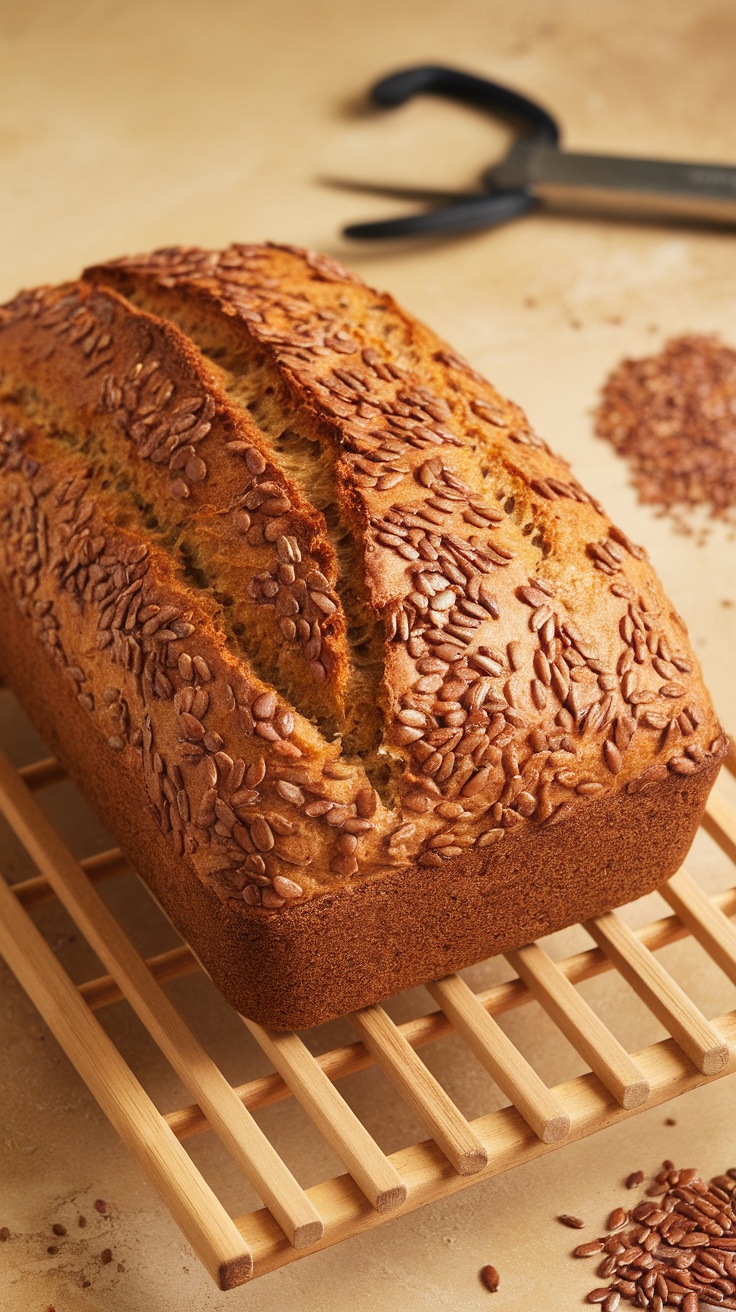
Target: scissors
point(536, 172)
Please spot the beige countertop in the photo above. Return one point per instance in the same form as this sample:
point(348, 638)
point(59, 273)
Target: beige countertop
point(129, 126)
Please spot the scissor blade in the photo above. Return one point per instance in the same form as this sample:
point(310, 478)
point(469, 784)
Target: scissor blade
point(398, 192)
point(664, 187)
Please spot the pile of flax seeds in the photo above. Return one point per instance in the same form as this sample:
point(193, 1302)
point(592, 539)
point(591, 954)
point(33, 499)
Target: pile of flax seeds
point(676, 1248)
point(673, 417)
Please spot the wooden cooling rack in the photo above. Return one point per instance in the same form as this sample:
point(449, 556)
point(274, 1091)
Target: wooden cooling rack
point(377, 1186)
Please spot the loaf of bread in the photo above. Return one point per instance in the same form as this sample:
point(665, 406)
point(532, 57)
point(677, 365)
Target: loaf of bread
point(361, 679)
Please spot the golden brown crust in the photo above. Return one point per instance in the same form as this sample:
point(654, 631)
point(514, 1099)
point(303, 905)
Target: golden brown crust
point(506, 653)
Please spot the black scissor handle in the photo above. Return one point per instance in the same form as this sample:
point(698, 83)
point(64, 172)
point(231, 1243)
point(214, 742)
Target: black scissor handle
point(486, 209)
point(437, 80)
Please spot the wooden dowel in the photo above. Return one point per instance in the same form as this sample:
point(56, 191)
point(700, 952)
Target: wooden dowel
point(720, 822)
point(354, 1057)
point(31, 892)
point(419, 1088)
point(541, 1110)
point(174, 964)
point(42, 773)
point(662, 995)
point(704, 920)
point(194, 1206)
point(335, 1120)
point(228, 1117)
point(579, 1023)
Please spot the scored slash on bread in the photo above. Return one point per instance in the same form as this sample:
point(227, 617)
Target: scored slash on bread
point(323, 591)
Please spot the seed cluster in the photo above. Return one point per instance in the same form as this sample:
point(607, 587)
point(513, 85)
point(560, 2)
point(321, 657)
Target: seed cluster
point(673, 416)
point(681, 1251)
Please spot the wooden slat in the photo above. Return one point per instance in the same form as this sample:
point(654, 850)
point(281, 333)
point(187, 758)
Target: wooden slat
point(228, 1117)
point(704, 920)
point(165, 966)
point(419, 1088)
point(335, 1120)
point(42, 773)
point(508, 1140)
point(720, 822)
point(31, 892)
point(512, 1072)
point(577, 1020)
point(664, 997)
point(127, 1106)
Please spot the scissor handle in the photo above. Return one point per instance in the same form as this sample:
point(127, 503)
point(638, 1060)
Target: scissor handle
point(437, 80)
point(486, 209)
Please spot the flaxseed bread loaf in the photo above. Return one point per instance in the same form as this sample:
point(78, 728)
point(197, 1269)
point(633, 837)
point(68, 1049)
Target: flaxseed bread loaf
point(364, 682)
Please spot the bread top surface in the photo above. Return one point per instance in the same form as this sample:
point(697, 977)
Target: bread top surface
point(317, 577)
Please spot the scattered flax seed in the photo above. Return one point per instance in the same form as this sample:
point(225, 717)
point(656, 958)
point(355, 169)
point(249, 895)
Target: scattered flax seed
point(673, 416)
point(670, 1120)
point(82, 1222)
point(574, 1222)
point(106, 1256)
point(4, 1234)
point(52, 1249)
point(100, 1206)
point(58, 1229)
point(681, 1249)
point(490, 1277)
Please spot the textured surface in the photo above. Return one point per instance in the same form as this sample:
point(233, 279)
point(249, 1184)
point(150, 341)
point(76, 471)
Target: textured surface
point(126, 127)
point(326, 595)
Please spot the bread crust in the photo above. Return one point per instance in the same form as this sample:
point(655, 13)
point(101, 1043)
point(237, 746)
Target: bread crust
point(338, 779)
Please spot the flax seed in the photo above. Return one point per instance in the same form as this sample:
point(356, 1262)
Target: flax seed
point(490, 1277)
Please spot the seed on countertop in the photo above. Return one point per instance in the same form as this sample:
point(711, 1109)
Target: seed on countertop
point(490, 1277)
point(591, 1249)
point(574, 1222)
point(636, 1178)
